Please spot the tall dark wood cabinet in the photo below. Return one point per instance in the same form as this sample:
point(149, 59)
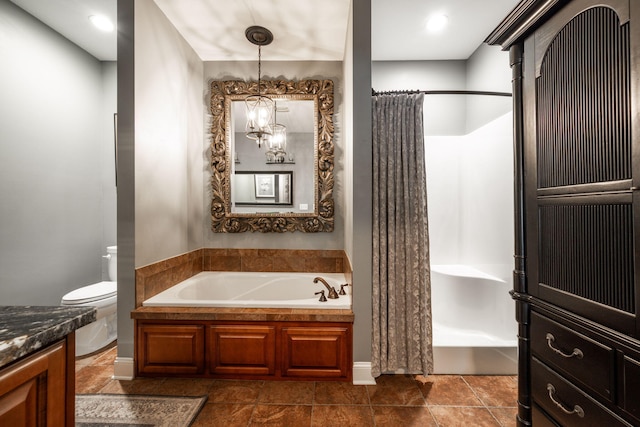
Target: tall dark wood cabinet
point(576, 83)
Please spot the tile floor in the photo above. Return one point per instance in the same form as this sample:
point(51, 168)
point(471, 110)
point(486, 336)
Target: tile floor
point(442, 400)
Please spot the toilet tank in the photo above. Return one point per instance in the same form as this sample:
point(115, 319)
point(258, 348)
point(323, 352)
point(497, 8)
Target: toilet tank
point(112, 259)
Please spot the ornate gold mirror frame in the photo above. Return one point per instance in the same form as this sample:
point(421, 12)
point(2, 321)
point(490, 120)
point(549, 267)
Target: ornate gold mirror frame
point(223, 220)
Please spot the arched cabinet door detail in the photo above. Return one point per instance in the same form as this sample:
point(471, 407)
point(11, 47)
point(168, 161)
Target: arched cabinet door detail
point(576, 91)
point(580, 167)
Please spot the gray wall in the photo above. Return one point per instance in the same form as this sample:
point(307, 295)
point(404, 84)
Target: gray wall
point(56, 179)
point(168, 130)
point(126, 180)
point(159, 150)
point(446, 113)
point(358, 160)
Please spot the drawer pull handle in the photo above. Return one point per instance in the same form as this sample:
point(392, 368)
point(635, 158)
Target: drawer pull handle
point(576, 409)
point(576, 351)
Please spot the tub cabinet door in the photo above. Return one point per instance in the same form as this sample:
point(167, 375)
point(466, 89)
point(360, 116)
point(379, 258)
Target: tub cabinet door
point(316, 352)
point(170, 349)
point(242, 350)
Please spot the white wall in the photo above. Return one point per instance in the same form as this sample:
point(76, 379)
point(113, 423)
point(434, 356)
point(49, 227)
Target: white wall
point(470, 198)
point(289, 70)
point(168, 134)
point(486, 191)
point(56, 180)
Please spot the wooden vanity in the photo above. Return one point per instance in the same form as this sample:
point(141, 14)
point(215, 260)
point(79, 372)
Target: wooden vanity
point(268, 344)
point(37, 364)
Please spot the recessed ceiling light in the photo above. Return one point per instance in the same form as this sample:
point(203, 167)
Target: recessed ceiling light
point(437, 22)
point(102, 22)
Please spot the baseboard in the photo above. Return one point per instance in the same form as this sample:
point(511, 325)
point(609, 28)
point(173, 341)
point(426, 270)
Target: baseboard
point(123, 368)
point(362, 374)
point(475, 360)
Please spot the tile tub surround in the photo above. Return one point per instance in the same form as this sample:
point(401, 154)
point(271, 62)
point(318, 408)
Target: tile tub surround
point(24, 329)
point(157, 277)
point(242, 314)
point(396, 400)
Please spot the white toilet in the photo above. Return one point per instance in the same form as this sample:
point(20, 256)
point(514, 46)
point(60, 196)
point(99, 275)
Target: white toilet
point(103, 296)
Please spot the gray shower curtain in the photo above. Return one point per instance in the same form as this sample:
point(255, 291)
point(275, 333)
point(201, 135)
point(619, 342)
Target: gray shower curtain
point(402, 333)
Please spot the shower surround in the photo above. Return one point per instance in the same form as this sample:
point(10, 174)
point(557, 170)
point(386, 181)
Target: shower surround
point(470, 202)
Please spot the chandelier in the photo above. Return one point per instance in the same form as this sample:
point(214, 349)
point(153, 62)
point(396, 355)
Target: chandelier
point(259, 108)
point(277, 143)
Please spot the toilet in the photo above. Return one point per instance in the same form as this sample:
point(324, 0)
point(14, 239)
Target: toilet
point(103, 296)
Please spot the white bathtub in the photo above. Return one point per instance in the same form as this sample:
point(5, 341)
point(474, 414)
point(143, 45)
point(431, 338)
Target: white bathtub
point(474, 327)
point(253, 290)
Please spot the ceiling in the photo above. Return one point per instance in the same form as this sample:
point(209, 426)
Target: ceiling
point(71, 19)
point(303, 30)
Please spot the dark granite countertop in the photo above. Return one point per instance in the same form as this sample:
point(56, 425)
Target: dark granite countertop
point(25, 329)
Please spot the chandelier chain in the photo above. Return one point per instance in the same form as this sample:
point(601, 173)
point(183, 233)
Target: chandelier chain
point(259, 68)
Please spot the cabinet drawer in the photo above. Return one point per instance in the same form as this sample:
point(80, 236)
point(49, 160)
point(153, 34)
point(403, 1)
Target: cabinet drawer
point(574, 355)
point(540, 419)
point(566, 403)
point(630, 399)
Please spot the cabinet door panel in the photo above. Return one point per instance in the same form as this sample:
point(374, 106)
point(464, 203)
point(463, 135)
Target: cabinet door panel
point(242, 350)
point(33, 392)
point(19, 407)
point(315, 352)
point(169, 349)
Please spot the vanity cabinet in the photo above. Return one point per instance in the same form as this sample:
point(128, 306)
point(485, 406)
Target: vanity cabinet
point(37, 364)
point(246, 350)
point(576, 88)
point(34, 391)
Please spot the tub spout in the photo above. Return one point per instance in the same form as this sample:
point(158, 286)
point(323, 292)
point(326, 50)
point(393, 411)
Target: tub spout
point(332, 291)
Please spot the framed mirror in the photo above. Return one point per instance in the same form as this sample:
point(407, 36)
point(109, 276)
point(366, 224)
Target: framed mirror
point(240, 166)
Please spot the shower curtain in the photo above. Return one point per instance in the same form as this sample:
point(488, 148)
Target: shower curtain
point(402, 333)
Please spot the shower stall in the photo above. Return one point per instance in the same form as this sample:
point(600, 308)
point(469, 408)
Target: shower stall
point(469, 165)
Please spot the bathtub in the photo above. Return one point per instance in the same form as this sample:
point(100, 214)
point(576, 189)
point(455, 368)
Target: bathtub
point(253, 290)
point(474, 327)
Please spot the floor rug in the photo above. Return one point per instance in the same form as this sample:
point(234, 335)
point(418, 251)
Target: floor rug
point(120, 410)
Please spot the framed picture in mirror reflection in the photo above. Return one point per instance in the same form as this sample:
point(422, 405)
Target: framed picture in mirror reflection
point(265, 185)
